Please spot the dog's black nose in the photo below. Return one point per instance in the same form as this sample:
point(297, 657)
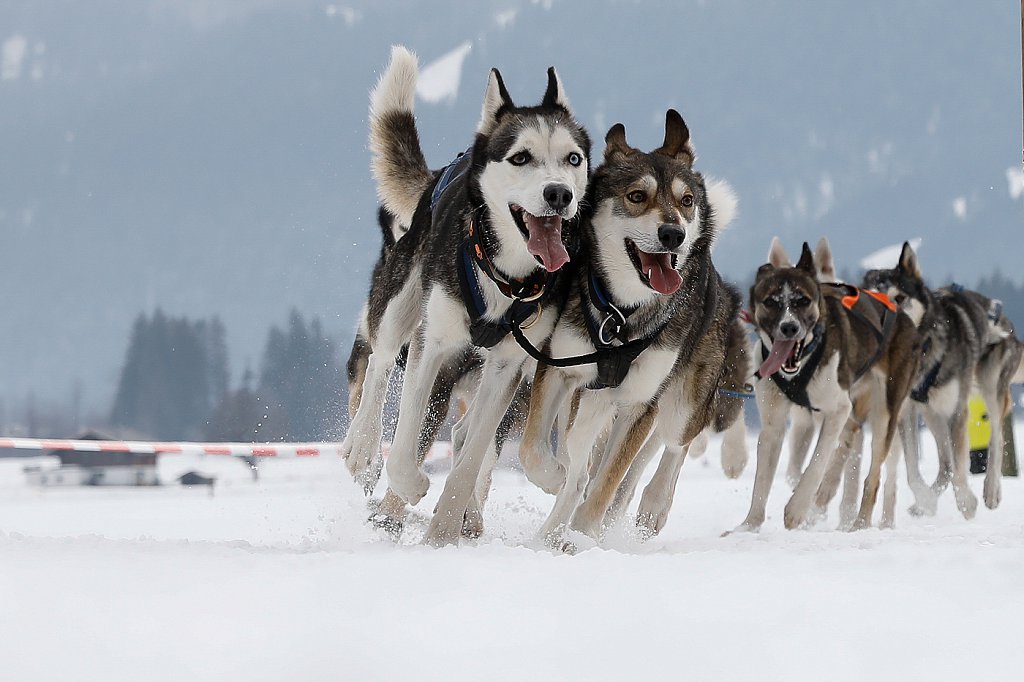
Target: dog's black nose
point(558, 197)
point(671, 236)
point(789, 329)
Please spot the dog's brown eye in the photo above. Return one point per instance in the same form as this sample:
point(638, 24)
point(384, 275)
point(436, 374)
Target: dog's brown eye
point(801, 302)
point(687, 200)
point(520, 158)
point(772, 303)
point(637, 196)
point(900, 299)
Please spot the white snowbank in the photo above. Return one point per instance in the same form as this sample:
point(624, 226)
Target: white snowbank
point(889, 256)
point(439, 80)
point(282, 580)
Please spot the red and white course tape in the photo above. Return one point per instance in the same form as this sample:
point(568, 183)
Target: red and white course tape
point(149, 448)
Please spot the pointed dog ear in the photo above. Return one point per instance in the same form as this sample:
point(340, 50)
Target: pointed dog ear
point(496, 98)
point(908, 260)
point(823, 257)
point(615, 142)
point(677, 140)
point(554, 96)
point(777, 255)
point(806, 261)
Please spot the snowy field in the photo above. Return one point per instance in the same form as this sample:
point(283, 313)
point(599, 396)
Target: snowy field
point(282, 580)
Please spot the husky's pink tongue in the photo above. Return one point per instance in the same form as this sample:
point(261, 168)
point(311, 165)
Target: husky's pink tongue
point(776, 357)
point(658, 267)
point(545, 240)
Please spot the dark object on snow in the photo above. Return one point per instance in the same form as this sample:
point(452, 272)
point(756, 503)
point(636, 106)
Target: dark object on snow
point(979, 461)
point(196, 478)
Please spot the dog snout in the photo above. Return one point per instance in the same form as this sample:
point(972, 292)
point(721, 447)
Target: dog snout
point(789, 329)
point(558, 197)
point(671, 236)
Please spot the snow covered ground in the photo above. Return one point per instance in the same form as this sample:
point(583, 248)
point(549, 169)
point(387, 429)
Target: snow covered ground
point(282, 580)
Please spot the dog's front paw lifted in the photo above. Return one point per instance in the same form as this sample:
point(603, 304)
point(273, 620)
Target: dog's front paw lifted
point(544, 471)
point(408, 482)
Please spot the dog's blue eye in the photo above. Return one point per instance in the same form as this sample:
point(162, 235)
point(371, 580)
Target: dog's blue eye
point(520, 158)
point(575, 159)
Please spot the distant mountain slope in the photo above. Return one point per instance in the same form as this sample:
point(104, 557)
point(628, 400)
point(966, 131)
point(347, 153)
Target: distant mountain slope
point(210, 157)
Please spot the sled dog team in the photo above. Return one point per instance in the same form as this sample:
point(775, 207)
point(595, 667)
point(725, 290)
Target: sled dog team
point(580, 305)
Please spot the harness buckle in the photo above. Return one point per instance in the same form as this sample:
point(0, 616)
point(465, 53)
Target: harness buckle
point(621, 323)
point(537, 315)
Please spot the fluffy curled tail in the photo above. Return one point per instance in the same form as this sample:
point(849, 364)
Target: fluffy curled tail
point(397, 161)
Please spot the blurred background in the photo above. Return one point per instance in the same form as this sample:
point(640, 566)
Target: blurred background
point(187, 218)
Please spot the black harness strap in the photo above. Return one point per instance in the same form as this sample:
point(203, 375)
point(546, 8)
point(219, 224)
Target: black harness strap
point(796, 388)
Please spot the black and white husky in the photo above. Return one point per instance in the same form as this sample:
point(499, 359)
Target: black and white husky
point(487, 238)
point(649, 306)
point(967, 344)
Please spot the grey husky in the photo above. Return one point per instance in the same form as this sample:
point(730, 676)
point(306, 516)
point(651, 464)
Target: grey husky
point(967, 343)
point(649, 307)
point(487, 239)
point(823, 347)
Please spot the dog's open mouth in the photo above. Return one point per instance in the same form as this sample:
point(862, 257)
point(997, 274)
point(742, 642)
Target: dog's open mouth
point(543, 236)
point(784, 355)
point(656, 270)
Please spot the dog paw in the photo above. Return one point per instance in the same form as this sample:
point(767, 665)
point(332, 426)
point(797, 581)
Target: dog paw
point(650, 521)
point(860, 524)
point(794, 516)
point(409, 483)
point(967, 503)
point(473, 524)
point(389, 525)
point(359, 449)
point(745, 527)
point(445, 530)
point(993, 492)
point(547, 474)
point(734, 462)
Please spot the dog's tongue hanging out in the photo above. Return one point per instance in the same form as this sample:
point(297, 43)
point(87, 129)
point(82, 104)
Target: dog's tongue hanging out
point(658, 267)
point(781, 349)
point(545, 240)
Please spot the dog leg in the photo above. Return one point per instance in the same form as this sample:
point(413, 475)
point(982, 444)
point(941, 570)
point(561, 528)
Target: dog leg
point(851, 483)
point(500, 372)
point(830, 482)
point(627, 489)
point(884, 420)
point(992, 490)
point(361, 448)
point(889, 491)
point(966, 501)
point(831, 426)
point(734, 448)
point(429, 349)
point(773, 408)
point(925, 500)
point(801, 434)
point(631, 428)
point(593, 415)
point(656, 502)
point(362, 442)
point(550, 390)
point(473, 523)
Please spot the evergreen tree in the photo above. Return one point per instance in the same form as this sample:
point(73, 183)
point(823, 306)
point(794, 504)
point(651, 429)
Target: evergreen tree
point(174, 369)
point(302, 380)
